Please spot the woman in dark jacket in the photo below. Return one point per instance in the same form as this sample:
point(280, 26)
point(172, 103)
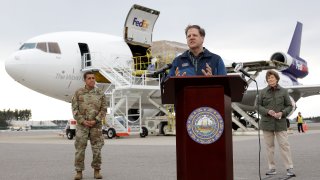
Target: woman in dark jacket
point(275, 105)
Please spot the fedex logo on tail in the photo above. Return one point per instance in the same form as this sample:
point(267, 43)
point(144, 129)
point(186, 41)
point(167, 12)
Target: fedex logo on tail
point(140, 23)
point(301, 67)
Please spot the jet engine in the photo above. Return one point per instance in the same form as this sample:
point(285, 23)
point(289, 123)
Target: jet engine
point(297, 67)
point(282, 57)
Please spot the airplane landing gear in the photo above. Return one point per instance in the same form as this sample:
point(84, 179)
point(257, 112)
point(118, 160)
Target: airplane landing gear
point(144, 132)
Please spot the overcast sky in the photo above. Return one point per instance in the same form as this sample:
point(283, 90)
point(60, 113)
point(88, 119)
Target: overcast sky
point(244, 30)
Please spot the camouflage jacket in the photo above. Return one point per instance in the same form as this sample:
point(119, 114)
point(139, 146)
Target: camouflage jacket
point(89, 105)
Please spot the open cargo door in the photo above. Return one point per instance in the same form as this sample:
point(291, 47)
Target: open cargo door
point(138, 30)
point(139, 25)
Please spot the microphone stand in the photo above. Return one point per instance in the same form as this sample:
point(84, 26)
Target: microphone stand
point(163, 77)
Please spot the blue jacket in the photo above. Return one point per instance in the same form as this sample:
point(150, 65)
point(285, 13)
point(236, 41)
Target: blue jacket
point(184, 63)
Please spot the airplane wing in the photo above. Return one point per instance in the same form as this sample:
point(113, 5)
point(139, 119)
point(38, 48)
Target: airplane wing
point(305, 90)
point(260, 65)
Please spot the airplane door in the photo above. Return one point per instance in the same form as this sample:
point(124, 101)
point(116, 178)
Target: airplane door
point(139, 25)
point(85, 54)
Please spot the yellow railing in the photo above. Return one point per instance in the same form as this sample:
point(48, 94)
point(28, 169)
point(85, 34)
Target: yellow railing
point(171, 117)
point(164, 59)
point(141, 63)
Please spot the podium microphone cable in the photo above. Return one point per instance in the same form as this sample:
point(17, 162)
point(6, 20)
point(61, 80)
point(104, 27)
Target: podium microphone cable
point(259, 139)
point(238, 67)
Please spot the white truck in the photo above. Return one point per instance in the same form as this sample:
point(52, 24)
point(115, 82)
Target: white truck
point(71, 128)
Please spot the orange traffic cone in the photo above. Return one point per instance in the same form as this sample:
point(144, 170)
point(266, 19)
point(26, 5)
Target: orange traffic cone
point(305, 127)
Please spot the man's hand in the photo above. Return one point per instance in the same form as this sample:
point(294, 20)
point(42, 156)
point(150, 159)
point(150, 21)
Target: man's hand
point(208, 71)
point(92, 122)
point(178, 73)
point(89, 124)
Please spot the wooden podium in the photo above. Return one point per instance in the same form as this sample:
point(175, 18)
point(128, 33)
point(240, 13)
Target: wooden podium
point(203, 124)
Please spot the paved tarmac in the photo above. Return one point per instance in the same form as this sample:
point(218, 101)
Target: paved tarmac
point(44, 155)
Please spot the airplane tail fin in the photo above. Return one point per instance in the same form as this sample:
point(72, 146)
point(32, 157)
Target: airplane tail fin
point(294, 48)
point(298, 67)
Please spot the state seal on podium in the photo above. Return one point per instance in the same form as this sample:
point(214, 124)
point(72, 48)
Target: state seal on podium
point(205, 125)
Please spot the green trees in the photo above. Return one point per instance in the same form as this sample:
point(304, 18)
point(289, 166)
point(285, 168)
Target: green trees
point(18, 115)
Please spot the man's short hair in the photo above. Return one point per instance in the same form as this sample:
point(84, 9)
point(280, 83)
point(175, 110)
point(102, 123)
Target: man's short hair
point(201, 30)
point(272, 72)
point(86, 73)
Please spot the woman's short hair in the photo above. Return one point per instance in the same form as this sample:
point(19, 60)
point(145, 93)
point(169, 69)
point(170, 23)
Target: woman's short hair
point(272, 72)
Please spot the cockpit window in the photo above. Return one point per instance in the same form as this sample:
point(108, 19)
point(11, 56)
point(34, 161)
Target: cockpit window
point(51, 47)
point(28, 46)
point(54, 48)
point(42, 46)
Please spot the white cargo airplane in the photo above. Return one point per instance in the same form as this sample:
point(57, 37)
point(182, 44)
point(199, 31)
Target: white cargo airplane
point(290, 66)
point(53, 64)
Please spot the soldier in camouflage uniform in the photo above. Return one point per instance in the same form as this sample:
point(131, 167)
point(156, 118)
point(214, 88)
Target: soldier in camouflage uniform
point(89, 109)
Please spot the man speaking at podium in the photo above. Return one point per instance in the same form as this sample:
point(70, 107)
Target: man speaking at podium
point(197, 60)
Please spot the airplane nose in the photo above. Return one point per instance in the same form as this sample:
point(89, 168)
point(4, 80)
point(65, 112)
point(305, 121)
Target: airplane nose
point(15, 68)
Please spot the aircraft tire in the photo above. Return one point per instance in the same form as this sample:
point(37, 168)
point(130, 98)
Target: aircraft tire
point(165, 129)
point(144, 132)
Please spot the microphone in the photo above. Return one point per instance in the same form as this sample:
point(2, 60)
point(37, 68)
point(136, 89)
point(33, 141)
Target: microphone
point(238, 67)
point(163, 69)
